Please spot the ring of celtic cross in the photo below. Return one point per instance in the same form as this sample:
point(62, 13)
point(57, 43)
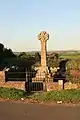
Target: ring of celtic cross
point(43, 36)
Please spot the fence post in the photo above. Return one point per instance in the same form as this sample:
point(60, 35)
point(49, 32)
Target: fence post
point(60, 84)
point(26, 76)
point(26, 82)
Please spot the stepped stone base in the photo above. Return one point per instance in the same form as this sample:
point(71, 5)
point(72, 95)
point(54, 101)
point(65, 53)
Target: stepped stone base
point(42, 73)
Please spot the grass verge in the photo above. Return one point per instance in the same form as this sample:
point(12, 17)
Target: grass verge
point(72, 96)
point(11, 93)
point(66, 96)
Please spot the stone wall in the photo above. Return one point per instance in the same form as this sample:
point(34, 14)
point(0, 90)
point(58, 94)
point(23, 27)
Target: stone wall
point(69, 85)
point(17, 85)
point(52, 86)
point(11, 84)
point(21, 85)
point(55, 86)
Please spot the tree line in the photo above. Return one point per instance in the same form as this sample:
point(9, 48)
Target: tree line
point(7, 58)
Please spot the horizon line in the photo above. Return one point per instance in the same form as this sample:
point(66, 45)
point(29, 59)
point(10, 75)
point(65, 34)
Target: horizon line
point(50, 51)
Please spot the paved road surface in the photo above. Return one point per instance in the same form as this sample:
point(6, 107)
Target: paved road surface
point(24, 111)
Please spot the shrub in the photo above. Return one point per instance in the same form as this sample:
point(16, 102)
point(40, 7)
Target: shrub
point(73, 64)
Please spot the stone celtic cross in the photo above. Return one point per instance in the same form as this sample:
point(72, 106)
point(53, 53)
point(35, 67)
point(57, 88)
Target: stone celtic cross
point(43, 37)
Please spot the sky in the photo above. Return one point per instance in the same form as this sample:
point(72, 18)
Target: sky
point(22, 20)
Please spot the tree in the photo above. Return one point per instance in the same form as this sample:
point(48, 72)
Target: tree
point(56, 56)
point(37, 56)
point(5, 54)
point(8, 53)
point(1, 51)
point(22, 55)
point(1, 48)
point(53, 60)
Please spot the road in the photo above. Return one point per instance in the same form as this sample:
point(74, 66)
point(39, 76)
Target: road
point(25, 111)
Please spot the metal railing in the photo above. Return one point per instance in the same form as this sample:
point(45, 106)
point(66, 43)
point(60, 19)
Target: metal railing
point(33, 82)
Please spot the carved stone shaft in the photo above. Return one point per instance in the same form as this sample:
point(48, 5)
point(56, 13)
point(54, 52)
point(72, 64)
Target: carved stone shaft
point(43, 54)
point(43, 37)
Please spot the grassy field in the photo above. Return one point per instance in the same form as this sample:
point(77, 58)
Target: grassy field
point(67, 96)
point(70, 56)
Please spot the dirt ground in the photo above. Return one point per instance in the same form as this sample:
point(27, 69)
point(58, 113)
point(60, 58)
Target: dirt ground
point(25, 111)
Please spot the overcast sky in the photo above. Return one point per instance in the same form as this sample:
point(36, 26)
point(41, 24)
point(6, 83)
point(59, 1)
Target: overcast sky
point(22, 20)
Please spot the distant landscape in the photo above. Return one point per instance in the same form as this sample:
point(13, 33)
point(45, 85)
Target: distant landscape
point(55, 51)
point(67, 54)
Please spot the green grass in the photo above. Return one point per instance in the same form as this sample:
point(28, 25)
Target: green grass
point(67, 96)
point(11, 93)
point(70, 56)
point(53, 96)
